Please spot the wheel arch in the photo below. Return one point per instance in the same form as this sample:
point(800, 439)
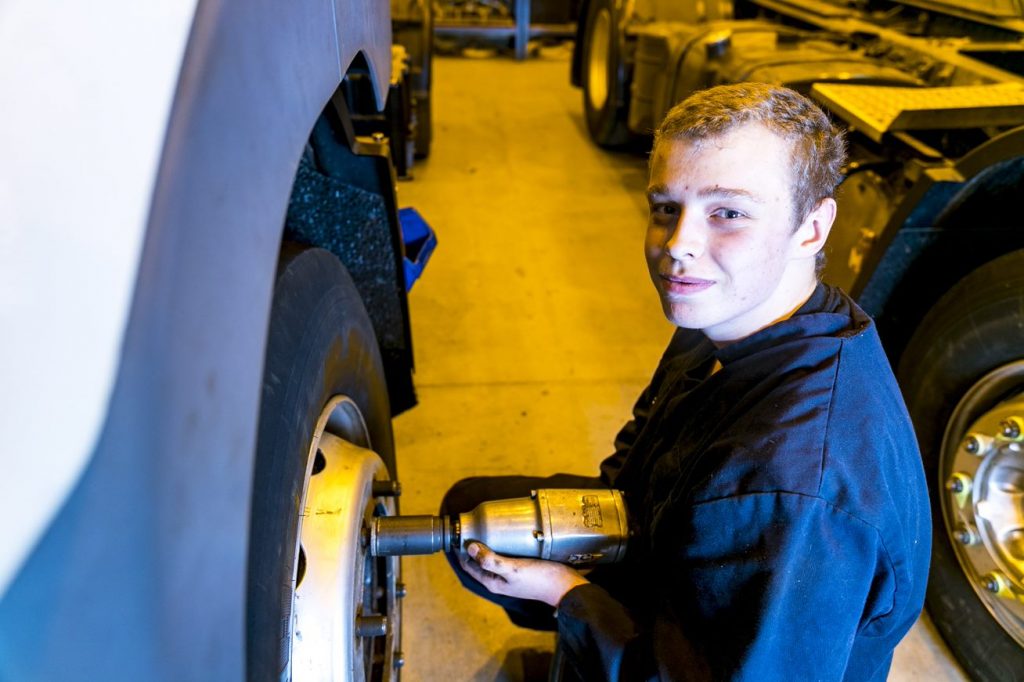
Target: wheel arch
point(339, 170)
point(950, 224)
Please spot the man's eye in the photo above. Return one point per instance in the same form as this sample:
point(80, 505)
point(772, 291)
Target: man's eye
point(728, 214)
point(664, 209)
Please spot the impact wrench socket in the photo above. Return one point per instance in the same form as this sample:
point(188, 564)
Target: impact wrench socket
point(576, 526)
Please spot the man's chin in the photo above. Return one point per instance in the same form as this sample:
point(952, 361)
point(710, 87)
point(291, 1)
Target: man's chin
point(684, 316)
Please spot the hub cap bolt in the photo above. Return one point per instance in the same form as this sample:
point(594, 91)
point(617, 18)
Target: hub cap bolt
point(955, 484)
point(1011, 428)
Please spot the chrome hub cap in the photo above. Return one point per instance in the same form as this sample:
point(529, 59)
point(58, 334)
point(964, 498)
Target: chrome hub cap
point(982, 466)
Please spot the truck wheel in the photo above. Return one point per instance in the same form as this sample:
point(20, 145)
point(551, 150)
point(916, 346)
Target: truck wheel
point(318, 607)
point(605, 76)
point(963, 378)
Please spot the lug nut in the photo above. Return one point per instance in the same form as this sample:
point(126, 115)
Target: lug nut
point(400, 591)
point(371, 626)
point(386, 488)
point(977, 444)
point(997, 583)
point(399, 659)
point(971, 445)
point(965, 536)
point(960, 485)
point(1011, 428)
point(956, 483)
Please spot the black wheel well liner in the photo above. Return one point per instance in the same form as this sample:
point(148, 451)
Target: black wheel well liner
point(969, 225)
point(343, 200)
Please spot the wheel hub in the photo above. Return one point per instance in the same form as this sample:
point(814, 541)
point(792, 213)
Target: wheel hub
point(983, 500)
point(345, 611)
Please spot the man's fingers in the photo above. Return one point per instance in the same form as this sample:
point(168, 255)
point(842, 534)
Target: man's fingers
point(494, 583)
point(487, 558)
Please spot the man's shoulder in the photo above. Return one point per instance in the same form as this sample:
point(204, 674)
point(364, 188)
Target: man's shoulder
point(810, 416)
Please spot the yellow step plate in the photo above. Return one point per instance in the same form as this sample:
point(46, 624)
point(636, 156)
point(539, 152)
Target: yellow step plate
point(876, 110)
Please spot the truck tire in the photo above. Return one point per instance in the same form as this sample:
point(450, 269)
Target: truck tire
point(324, 405)
point(605, 76)
point(963, 373)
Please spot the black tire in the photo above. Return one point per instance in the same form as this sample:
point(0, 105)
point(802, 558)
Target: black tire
point(605, 98)
point(975, 328)
point(320, 344)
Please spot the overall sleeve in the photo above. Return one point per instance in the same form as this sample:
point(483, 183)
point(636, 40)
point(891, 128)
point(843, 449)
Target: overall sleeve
point(683, 341)
point(627, 436)
point(765, 586)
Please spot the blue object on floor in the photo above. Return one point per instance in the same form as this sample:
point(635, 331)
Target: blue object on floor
point(419, 240)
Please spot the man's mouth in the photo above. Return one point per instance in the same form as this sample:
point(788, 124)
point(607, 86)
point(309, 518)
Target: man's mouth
point(680, 285)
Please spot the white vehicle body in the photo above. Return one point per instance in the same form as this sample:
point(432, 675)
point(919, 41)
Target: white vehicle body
point(147, 154)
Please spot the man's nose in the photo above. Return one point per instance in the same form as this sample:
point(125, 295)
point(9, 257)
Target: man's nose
point(689, 237)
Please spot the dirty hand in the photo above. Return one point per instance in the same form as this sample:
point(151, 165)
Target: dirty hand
point(545, 581)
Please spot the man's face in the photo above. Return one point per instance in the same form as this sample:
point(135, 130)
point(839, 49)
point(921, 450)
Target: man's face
point(721, 245)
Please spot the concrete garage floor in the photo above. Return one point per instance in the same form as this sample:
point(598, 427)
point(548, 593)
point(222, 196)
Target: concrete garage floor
point(535, 328)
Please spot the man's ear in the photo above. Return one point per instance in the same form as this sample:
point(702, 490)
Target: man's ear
point(810, 237)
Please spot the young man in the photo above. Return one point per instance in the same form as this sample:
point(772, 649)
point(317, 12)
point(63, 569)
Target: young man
point(782, 527)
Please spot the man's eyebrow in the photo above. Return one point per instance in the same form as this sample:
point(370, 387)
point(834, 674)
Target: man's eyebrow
point(663, 191)
point(728, 193)
point(657, 191)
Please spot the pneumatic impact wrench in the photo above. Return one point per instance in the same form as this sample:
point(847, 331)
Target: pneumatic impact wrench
point(570, 526)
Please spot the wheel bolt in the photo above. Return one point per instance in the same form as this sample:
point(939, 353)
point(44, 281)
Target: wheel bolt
point(977, 444)
point(960, 485)
point(386, 488)
point(965, 536)
point(1011, 428)
point(371, 626)
point(997, 583)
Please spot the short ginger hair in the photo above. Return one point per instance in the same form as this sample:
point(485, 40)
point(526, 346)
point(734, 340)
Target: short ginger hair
point(818, 147)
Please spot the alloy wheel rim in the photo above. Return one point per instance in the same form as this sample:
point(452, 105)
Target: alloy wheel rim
point(981, 471)
point(345, 614)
